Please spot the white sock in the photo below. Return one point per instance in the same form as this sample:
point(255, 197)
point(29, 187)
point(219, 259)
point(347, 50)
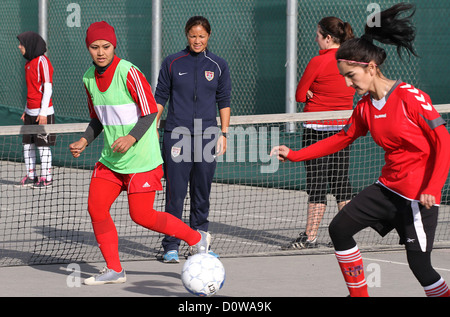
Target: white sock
point(29, 154)
point(46, 162)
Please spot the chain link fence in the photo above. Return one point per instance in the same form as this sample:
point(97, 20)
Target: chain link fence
point(249, 34)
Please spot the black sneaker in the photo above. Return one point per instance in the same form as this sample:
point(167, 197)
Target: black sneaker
point(43, 183)
point(27, 181)
point(301, 242)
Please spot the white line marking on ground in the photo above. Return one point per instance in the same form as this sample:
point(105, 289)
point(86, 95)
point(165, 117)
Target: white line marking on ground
point(401, 263)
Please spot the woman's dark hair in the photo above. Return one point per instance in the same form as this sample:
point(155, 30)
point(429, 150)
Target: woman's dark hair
point(197, 20)
point(392, 30)
point(339, 30)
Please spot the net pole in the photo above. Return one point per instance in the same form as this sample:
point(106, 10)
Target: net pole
point(291, 60)
point(156, 42)
point(43, 20)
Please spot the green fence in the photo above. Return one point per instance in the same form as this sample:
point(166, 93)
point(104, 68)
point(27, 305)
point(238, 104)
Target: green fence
point(249, 34)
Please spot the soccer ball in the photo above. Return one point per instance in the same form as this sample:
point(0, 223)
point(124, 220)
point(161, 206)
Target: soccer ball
point(203, 274)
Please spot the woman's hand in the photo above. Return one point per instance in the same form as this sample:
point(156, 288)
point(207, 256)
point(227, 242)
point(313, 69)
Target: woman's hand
point(41, 119)
point(427, 200)
point(123, 144)
point(78, 147)
point(221, 146)
point(281, 151)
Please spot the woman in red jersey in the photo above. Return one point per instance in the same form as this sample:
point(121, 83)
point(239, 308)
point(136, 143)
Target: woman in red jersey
point(38, 110)
point(402, 120)
point(121, 105)
point(322, 88)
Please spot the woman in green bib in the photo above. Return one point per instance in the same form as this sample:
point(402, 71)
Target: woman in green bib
point(121, 105)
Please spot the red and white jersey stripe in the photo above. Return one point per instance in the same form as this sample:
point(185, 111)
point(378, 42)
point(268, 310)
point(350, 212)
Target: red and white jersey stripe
point(140, 91)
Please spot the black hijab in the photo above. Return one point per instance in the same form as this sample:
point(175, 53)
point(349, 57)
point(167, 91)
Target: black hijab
point(34, 44)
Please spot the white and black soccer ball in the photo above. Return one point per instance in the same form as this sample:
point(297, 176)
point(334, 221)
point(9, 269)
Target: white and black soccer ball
point(203, 274)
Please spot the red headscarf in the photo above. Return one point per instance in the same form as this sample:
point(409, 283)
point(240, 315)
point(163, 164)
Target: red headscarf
point(100, 31)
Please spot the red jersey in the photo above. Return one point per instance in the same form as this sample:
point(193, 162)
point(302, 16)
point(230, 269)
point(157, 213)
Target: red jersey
point(137, 85)
point(412, 134)
point(37, 72)
point(328, 86)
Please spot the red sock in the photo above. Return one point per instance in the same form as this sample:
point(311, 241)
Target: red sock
point(108, 242)
point(142, 212)
point(351, 264)
point(438, 289)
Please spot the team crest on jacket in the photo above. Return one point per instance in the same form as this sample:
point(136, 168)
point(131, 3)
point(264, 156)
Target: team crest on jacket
point(175, 151)
point(209, 75)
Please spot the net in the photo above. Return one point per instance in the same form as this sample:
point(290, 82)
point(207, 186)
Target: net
point(257, 204)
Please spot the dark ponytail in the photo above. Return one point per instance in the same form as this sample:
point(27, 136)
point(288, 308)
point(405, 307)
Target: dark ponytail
point(339, 30)
point(392, 30)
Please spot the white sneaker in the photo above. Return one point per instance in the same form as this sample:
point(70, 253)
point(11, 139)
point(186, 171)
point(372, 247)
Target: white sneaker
point(203, 245)
point(107, 276)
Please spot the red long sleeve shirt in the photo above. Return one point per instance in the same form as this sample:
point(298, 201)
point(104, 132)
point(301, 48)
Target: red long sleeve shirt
point(38, 71)
point(412, 134)
point(328, 86)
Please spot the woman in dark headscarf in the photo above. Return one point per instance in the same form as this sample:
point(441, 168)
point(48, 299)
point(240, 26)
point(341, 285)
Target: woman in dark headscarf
point(38, 109)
